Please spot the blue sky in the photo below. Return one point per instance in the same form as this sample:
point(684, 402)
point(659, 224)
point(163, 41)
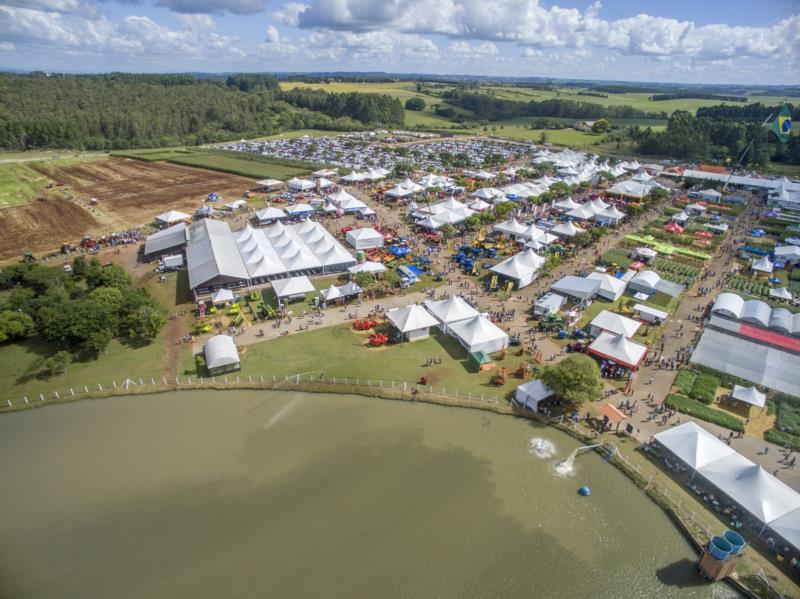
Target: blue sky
point(705, 41)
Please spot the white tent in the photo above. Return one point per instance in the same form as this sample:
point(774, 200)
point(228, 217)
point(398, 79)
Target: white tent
point(583, 212)
point(618, 349)
point(221, 354)
point(763, 264)
point(478, 205)
point(166, 239)
point(269, 214)
point(324, 183)
point(221, 296)
point(611, 288)
point(172, 216)
point(788, 527)
point(567, 229)
point(293, 287)
point(340, 196)
point(430, 223)
point(354, 177)
point(613, 323)
point(331, 293)
point(521, 267)
point(566, 204)
point(298, 209)
point(749, 395)
point(781, 293)
point(363, 239)
point(413, 321)
point(269, 184)
point(370, 267)
point(479, 334)
point(450, 310)
point(693, 444)
point(398, 192)
point(488, 193)
point(610, 216)
point(296, 184)
point(510, 227)
point(531, 393)
point(757, 491)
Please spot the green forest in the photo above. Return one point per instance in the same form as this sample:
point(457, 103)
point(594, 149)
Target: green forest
point(122, 111)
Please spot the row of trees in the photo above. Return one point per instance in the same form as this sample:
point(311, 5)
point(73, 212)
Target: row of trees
point(81, 311)
point(689, 137)
point(120, 111)
point(485, 106)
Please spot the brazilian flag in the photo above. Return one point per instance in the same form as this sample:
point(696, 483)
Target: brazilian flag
point(782, 125)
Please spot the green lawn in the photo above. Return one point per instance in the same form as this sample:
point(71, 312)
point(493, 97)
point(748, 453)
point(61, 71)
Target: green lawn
point(237, 166)
point(338, 351)
point(120, 361)
point(19, 184)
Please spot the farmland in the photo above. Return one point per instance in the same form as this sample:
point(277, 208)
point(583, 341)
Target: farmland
point(255, 167)
point(129, 192)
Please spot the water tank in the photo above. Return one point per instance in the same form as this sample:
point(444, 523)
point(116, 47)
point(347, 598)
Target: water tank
point(737, 542)
point(720, 548)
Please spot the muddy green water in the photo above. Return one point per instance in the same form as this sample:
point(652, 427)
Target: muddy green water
point(254, 494)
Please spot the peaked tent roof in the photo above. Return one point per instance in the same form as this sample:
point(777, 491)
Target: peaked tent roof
point(749, 395)
point(411, 318)
point(510, 226)
point(763, 264)
point(616, 323)
point(567, 229)
point(270, 213)
point(172, 216)
point(477, 330)
point(617, 348)
point(452, 309)
point(220, 350)
point(367, 266)
point(693, 444)
point(292, 286)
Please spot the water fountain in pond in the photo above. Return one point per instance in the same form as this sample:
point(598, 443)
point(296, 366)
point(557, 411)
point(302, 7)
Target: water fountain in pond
point(566, 467)
point(541, 448)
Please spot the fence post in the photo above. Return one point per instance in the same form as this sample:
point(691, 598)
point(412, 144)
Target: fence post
point(153, 381)
point(177, 382)
point(226, 379)
point(8, 401)
point(381, 382)
point(188, 380)
point(165, 380)
point(273, 378)
point(201, 380)
point(213, 380)
point(56, 394)
point(99, 386)
point(85, 389)
point(369, 382)
point(237, 379)
point(26, 400)
point(71, 392)
point(140, 381)
point(262, 378)
point(115, 384)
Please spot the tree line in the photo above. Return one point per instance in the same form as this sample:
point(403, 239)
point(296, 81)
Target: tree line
point(80, 311)
point(123, 111)
point(696, 96)
point(486, 107)
point(690, 137)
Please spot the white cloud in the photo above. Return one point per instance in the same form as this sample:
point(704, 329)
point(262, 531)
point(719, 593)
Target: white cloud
point(273, 37)
point(528, 23)
point(6, 46)
point(289, 14)
point(199, 21)
point(465, 50)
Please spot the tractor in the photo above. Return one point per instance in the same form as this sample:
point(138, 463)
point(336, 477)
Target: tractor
point(378, 339)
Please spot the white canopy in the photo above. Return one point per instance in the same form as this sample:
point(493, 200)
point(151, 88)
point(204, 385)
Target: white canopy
point(479, 334)
point(615, 323)
point(220, 351)
point(270, 213)
point(331, 293)
point(531, 393)
point(371, 267)
point(567, 229)
point(340, 196)
point(520, 267)
point(510, 227)
point(566, 204)
point(324, 183)
point(478, 205)
point(293, 286)
point(296, 184)
point(269, 183)
point(299, 209)
point(781, 293)
point(399, 192)
point(611, 288)
point(488, 193)
point(763, 264)
point(788, 527)
point(453, 309)
point(749, 395)
point(362, 239)
point(693, 444)
point(222, 296)
point(411, 318)
point(617, 348)
point(583, 212)
point(172, 216)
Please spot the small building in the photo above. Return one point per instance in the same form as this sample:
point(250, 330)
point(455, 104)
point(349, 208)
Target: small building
point(762, 265)
point(221, 355)
point(172, 263)
point(709, 195)
point(611, 288)
point(648, 314)
point(364, 239)
point(613, 323)
point(413, 322)
point(529, 394)
point(549, 303)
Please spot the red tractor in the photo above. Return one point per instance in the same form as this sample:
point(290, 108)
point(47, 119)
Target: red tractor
point(378, 339)
point(364, 325)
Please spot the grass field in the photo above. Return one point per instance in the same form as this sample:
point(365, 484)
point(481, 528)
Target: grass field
point(19, 184)
point(255, 167)
point(311, 351)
